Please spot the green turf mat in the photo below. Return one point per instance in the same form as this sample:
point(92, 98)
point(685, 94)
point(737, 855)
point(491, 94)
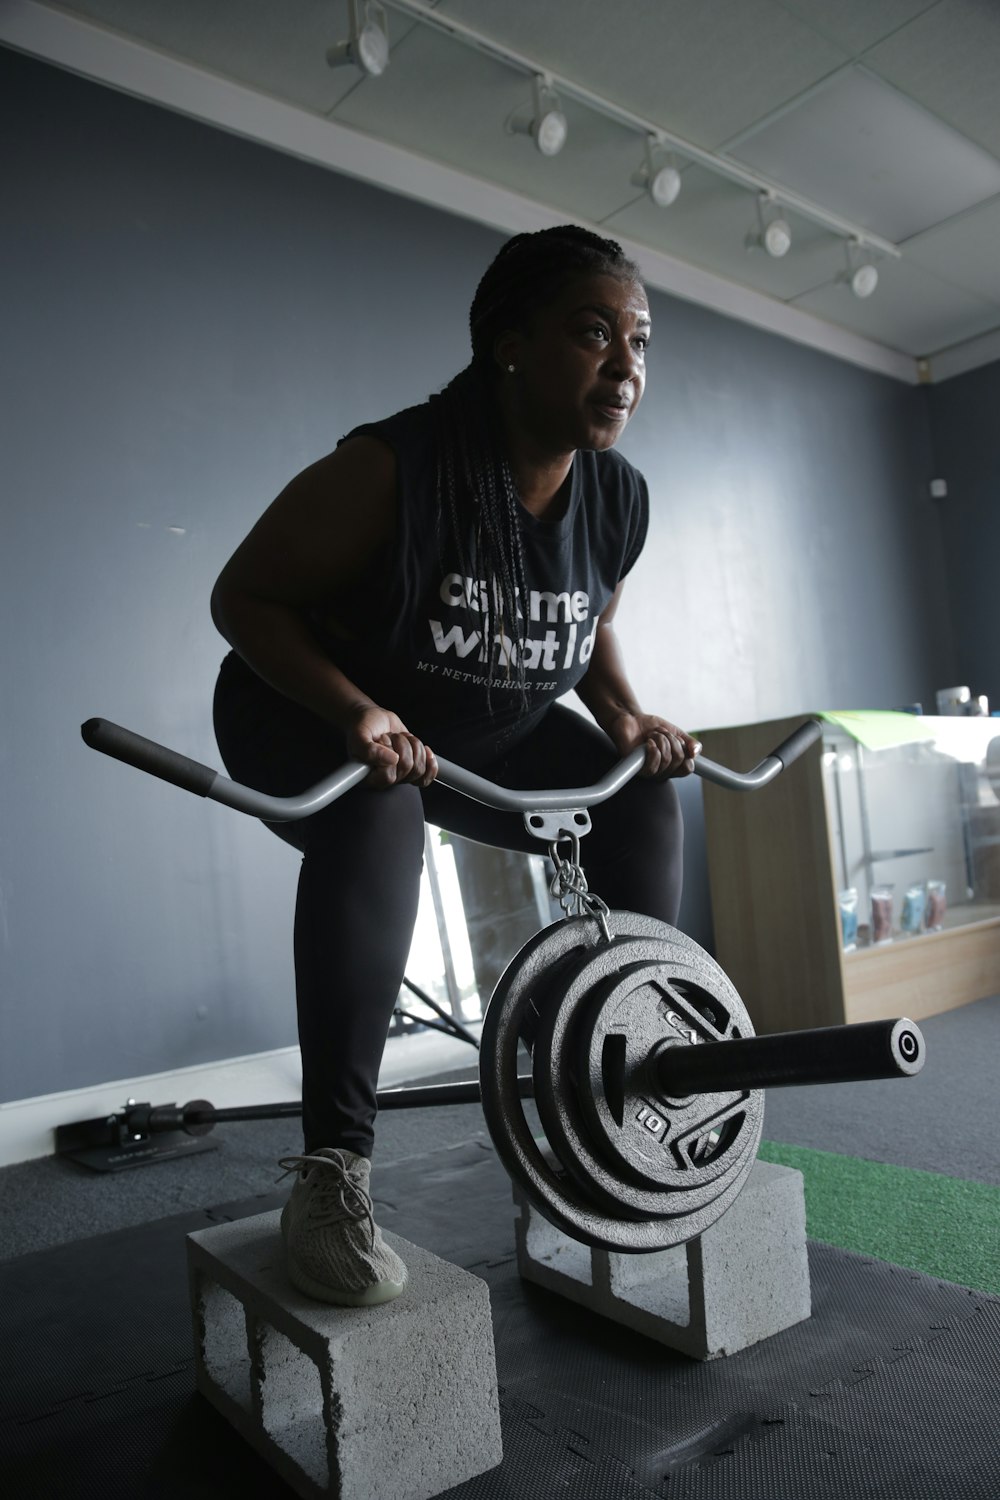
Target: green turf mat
point(923, 1220)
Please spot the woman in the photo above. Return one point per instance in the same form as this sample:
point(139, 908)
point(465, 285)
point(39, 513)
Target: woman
point(441, 579)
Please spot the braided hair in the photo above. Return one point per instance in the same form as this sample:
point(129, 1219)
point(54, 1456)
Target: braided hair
point(478, 497)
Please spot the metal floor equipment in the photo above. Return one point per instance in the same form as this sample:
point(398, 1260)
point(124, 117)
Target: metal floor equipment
point(891, 1391)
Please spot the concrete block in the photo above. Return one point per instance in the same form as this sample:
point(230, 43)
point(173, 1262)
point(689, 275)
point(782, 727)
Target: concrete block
point(357, 1403)
point(744, 1279)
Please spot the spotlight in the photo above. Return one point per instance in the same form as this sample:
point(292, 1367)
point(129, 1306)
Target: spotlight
point(657, 175)
point(368, 45)
point(544, 122)
point(861, 274)
point(772, 232)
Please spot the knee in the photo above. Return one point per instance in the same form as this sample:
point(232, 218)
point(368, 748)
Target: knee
point(369, 829)
point(644, 814)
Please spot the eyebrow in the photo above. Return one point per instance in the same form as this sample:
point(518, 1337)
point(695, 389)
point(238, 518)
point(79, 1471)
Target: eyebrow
point(608, 312)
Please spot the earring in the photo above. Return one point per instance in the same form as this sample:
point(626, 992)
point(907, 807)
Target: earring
point(510, 369)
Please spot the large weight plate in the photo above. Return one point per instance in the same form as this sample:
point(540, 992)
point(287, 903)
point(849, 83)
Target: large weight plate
point(520, 1001)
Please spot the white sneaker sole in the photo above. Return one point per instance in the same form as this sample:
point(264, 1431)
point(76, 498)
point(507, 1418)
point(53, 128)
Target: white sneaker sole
point(369, 1296)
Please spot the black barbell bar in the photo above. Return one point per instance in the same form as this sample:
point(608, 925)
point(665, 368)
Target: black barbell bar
point(199, 1116)
point(827, 1054)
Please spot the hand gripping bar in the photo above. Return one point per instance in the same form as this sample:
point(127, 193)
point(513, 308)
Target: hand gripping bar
point(179, 770)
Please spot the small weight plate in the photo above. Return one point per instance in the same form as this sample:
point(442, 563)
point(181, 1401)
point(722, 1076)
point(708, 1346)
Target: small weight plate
point(628, 1022)
point(635, 1168)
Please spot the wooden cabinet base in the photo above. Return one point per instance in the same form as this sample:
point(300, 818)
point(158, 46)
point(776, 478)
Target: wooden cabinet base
point(774, 908)
point(924, 975)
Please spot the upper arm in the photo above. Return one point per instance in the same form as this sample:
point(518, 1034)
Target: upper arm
point(324, 530)
point(608, 612)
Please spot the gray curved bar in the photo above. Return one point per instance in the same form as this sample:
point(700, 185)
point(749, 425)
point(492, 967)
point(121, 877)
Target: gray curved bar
point(148, 756)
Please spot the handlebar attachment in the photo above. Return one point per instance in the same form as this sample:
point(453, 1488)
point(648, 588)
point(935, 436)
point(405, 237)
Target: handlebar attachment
point(146, 755)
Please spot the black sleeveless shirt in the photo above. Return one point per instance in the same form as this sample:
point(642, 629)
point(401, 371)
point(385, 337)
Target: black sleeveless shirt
point(417, 645)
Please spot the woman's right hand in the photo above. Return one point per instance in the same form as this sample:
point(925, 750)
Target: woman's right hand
point(381, 740)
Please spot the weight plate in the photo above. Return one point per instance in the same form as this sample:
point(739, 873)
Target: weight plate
point(628, 1023)
point(522, 1002)
point(658, 1160)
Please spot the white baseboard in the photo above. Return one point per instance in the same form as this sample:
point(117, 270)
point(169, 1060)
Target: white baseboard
point(27, 1126)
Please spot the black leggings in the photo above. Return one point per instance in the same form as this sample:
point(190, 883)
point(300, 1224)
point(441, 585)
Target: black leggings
point(359, 880)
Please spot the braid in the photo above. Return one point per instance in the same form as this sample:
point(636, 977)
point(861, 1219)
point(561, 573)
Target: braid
point(475, 479)
point(475, 483)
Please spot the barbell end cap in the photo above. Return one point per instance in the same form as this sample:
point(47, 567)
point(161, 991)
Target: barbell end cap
point(908, 1047)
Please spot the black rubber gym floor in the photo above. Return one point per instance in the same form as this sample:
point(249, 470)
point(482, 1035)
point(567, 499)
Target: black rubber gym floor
point(891, 1389)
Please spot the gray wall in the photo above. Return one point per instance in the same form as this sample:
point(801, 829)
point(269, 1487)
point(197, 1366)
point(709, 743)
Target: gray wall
point(965, 436)
point(190, 318)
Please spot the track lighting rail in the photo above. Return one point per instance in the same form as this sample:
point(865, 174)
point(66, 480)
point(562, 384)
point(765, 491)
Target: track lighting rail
point(713, 161)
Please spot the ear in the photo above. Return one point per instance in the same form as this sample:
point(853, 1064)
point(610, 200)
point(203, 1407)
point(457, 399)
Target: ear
point(507, 348)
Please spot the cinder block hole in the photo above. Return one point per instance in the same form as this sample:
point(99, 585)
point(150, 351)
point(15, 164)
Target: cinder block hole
point(291, 1395)
point(657, 1283)
point(225, 1355)
point(548, 1246)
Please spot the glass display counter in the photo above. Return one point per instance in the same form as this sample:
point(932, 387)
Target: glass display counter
point(914, 824)
point(864, 882)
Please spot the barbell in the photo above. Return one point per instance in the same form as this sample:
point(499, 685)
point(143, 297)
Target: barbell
point(647, 1078)
point(645, 1071)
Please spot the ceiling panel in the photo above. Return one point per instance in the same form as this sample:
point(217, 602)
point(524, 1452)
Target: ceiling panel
point(965, 251)
point(912, 310)
point(452, 104)
point(865, 151)
point(857, 24)
point(886, 144)
point(707, 226)
point(703, 71)
point(278, 49)
point(949, 59)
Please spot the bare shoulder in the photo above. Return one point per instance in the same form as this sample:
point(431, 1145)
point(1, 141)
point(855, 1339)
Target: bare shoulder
point(354, 486)
point(325, 527)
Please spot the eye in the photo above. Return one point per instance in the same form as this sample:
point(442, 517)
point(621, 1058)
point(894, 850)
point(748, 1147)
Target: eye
point(641, 342)
point(598, 330)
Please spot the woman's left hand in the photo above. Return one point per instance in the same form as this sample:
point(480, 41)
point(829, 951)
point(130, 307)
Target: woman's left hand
point(669, 751)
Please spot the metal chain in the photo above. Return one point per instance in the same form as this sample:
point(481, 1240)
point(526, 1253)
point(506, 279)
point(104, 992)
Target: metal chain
point(569, 884)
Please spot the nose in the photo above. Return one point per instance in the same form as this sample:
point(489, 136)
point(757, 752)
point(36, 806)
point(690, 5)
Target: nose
point(624, 359)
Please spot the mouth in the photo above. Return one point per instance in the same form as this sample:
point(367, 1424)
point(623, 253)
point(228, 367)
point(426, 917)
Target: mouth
point(614, 408)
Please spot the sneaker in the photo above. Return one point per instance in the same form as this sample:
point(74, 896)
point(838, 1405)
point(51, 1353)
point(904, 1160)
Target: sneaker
point(333, 1247)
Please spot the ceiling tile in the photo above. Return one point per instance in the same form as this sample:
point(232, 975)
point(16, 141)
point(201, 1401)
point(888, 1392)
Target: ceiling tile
point(451, 104)
point(707, 227)
point(866, 152)
point(857, 24)
point(911, 310)
point(774, 74)
point(949, 59)
point(965, 251)
point(279, 50)
point(703, 71)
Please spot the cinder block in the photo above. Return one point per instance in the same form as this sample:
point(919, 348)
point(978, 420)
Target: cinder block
point(360, 1403)
point(744, 1279)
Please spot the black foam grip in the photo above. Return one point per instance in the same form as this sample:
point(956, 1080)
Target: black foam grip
point(147, 755)
point(798, 741)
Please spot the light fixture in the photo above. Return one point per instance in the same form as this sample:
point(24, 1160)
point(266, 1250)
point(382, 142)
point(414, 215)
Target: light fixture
point(368, 45)
point(544, 122)
point(658, 174)
point(772, 233)
point(862, 273)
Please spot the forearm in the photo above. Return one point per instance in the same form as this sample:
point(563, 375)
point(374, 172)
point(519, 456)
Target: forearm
point(606, 690)
point(276, 641)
